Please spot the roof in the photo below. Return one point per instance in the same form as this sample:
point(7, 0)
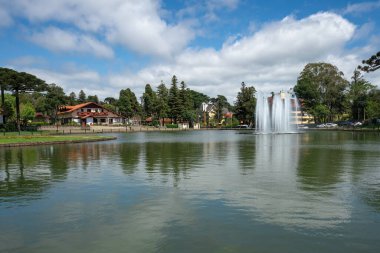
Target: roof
point(71, 108)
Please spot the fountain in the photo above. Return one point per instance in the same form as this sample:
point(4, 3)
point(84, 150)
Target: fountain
point(276, 113)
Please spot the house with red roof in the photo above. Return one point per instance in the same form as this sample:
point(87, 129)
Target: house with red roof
point(88, 114)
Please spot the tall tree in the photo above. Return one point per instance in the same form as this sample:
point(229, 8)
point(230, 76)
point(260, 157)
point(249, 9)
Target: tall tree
point(371, 64)
point(162, 107)
point(174, 100)
point(359, 90)
point(322, 84)
point(220, 103)
point(245, 104)
point(72, 98)
point(373, 104)
point(20, 82)
point(187, 112)
point(149, 101)
point(128, 104)
point(81, 97)
point(55, 98)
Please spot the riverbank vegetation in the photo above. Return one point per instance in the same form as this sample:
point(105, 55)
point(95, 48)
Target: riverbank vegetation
point(16, 140)
point(323, 90)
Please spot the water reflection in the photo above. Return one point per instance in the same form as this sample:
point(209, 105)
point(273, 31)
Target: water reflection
point(148, 191)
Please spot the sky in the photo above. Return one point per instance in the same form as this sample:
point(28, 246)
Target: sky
point(103, 46)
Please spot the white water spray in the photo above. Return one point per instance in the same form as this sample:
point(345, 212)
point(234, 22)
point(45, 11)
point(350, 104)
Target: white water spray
point(276, 113)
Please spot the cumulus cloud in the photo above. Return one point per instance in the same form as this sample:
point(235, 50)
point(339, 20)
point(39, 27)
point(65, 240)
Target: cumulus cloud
point(56, 39)
point(135, 24)
point(269, 59)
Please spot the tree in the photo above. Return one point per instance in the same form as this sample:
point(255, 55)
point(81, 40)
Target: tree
point(93, 98)
point(128, 105)
point(162, 107)
point(187, 112)
point(20, 82)
point(81, 97)
point(55, 98)
point(149, 101)
point(322, 84)
point(174, 100)
point(371, 64)
point(220, 103)
point(72, 98)
point(110, 100)
point(27, 112)
point(245, 104)
point(373, 104)
point(358, 93)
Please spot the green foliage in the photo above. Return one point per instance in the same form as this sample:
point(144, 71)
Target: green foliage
point(127, 104)
point(220, 103)
point(358, 95)
point(371, 64)
point(322, 84)
point(149, 101)
point(55, 98)
point(245, 104)
point(72, 99)
point(27, 112)
point(172, 126)
point(81, 97)
point(162, 107)
point(93, 98)
point(174, 102)
point(373, 104)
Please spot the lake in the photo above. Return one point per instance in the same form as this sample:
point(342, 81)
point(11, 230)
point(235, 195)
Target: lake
point(194, 191)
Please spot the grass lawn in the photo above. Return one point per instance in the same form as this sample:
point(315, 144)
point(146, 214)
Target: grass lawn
point(41, 139)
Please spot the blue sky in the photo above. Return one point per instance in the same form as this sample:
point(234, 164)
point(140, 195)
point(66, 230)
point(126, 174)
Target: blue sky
point(102, 46)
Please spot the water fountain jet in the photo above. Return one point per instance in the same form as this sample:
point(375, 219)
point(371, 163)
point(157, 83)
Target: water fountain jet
point(276, 113)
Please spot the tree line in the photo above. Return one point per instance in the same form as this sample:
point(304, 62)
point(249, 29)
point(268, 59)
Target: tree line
point(321, 87)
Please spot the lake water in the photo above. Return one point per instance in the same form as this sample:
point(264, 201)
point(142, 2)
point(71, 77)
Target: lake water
point(194, 191)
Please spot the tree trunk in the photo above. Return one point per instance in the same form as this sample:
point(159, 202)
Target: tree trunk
point(17, 110)
point(3, 104)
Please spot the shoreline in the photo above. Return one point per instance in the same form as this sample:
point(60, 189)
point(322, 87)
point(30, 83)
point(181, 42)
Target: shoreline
point(39, 143)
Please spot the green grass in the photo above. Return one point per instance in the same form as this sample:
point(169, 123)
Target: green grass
point(40, 139)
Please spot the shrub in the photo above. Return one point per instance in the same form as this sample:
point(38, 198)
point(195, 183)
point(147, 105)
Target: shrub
point(172, 126)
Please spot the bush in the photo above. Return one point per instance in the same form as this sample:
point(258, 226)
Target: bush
point(172, 126)
point(38, 124)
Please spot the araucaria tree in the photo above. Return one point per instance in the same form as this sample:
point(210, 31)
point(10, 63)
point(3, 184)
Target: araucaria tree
point(322, 88)
point(20, 82)
point(245, 104)
point(371, 64)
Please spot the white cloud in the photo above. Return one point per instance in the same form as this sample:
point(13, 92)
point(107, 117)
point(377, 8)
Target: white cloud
point(361, 7)
point(135, 24)
point(5, 18)
point(56, 39)
point(269, 59)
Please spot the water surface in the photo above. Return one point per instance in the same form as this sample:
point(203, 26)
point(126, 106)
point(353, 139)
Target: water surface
point(195, 191)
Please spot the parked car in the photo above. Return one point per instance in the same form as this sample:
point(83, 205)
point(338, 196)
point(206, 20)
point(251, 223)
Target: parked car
point(329, 125)
point(357, 124)
point(321, 126)
point(302, 127)
point(242, 126)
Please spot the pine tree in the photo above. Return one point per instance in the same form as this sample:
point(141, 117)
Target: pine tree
point(174, 100)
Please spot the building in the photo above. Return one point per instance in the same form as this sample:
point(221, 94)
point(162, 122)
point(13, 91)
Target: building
point(88, 114)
